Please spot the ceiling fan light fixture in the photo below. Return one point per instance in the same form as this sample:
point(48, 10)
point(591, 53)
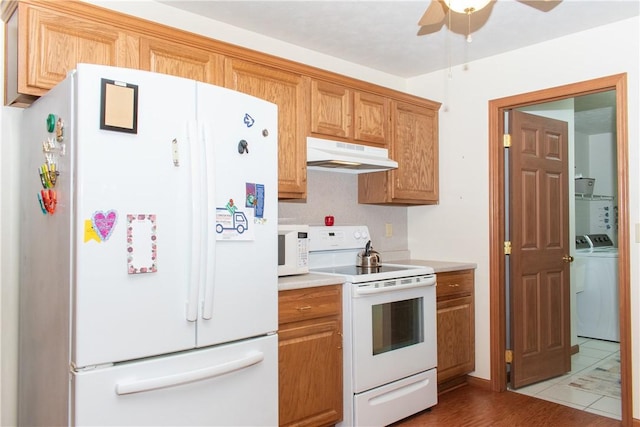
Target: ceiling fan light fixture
point(466, 6)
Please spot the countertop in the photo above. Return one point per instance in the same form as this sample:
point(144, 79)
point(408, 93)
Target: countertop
point(307, 281)
point(313, 280)
point(438, 266)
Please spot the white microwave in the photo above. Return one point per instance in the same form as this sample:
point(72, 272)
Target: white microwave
point(293, 249)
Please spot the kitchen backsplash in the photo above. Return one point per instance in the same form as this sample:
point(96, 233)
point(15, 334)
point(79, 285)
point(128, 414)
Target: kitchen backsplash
point(332, 193)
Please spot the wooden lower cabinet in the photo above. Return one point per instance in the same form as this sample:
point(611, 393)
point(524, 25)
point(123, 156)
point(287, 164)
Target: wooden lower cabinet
point(310, 356)
point(456, 327)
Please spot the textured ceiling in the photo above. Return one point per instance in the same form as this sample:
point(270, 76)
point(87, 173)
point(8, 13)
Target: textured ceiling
point(384, 35)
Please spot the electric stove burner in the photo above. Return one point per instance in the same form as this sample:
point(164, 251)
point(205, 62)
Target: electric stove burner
point(354, 270)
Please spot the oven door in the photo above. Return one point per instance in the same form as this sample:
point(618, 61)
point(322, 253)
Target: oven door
point(394, 333)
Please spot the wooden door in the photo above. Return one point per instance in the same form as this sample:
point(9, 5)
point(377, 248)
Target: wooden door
point(539, 235)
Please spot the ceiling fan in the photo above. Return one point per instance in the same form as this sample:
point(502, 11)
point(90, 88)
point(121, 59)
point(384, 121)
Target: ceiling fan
point(440, 11)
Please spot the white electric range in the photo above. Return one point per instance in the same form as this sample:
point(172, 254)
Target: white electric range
point(389, 329)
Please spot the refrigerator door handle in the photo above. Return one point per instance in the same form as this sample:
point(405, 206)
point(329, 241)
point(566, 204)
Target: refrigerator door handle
point(149, 384)
point(195, 194)
point(210, 187)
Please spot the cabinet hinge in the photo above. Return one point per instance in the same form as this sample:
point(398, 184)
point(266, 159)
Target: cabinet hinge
point(507, 248)
point(508, 356)
point(506, 140)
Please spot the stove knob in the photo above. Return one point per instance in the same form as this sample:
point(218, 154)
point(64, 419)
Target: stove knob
point(356, 234)
point(365, 235)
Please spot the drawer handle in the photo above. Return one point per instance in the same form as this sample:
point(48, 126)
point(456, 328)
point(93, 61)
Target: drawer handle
point(304, 308)
point(453, 285)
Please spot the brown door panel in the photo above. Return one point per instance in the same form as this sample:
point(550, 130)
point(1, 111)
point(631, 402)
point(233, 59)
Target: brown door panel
point(539, 234)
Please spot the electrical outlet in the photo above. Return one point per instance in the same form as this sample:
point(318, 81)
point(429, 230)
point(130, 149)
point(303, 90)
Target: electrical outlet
point(388, 230)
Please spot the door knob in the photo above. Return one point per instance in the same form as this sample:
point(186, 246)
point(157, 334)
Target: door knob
point(567, 258)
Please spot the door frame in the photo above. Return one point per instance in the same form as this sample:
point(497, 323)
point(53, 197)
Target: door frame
point(497, 299)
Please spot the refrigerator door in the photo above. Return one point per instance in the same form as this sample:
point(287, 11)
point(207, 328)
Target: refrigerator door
point(239, 288)
point(134, 215)
point(228, 385)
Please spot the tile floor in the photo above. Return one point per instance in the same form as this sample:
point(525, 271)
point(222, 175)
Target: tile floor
point(557, 389)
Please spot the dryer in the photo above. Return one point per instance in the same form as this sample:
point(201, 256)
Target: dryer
point(597, 287)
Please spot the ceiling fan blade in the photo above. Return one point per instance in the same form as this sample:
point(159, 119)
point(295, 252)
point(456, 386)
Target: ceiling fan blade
point(430, 29)
point(542, 5)
point(433, 15)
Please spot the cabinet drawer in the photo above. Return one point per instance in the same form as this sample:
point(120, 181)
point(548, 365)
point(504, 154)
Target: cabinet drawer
point(309, 303)
point(454, 283)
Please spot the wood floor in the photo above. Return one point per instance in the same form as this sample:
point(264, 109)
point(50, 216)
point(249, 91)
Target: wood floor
point(473, 406)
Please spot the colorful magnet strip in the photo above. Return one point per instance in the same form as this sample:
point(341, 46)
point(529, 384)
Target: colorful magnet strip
point(48, 201)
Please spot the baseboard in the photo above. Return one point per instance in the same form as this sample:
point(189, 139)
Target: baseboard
point(575, 349)
point(479, 382)
point(635, 422)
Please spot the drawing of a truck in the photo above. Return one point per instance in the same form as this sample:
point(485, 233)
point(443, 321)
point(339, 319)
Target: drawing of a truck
point(226, 220)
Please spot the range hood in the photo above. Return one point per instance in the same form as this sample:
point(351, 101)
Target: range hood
point(327, 155)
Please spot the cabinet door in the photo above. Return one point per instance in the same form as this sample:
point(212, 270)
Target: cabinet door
point(178, 60)
point(371, 119)
point(456, 353)
point(52, 43)
point(287, 90)
point(330, 109)
point(415, 147)
point(310, 373)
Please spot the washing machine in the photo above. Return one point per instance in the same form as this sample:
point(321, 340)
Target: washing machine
point(596, 273)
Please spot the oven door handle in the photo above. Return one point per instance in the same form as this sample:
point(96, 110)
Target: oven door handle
point(431, 281)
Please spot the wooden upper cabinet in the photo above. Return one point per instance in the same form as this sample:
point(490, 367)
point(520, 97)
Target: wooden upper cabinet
point(50, 44)
point(160, 56)
point(287, 90)
point(371, 114)
point(330, 110)
point(415, 148)
point(349, 115)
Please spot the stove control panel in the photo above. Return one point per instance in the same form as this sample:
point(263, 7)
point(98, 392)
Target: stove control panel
point(338, 237)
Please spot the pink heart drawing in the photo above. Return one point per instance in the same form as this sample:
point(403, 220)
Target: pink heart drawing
point(103, 223)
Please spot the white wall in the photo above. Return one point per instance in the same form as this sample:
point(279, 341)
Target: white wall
point(464, 180)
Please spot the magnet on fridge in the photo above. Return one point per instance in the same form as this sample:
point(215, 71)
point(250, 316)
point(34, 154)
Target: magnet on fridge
point(90, 232)
point(59, 130)
point(248, 120)
point(44, 210)
point(49, 200)
point(48, 175)
point(51, 122)
point(259, 201)
point(104, 223)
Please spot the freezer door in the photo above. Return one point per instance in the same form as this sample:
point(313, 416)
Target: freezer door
point(228, 385)
point(135, 215)
point(239, 288)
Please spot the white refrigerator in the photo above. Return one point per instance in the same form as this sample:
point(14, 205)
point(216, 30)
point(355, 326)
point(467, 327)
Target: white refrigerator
point(148, 287)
